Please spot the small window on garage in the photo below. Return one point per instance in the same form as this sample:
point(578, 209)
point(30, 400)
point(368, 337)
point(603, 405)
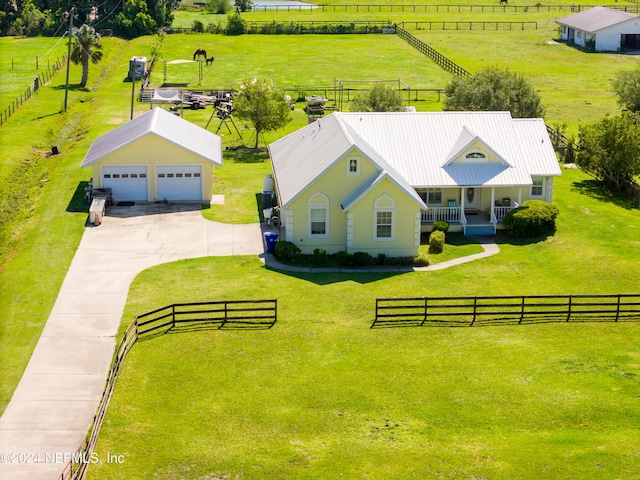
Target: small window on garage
point(161, 175)
point(143, 175)
point(196, 174)
point(107, 175)
point(125, 175)
point(134, 175)
point(116, 175)
point(188, 175)
point(178, 175)
point(170, 175)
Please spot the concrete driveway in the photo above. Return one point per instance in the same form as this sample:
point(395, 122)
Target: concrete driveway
point(54, 403)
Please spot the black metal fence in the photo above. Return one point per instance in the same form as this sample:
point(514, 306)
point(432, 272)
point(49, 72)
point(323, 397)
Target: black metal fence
point(496, 310)
point(252, 314)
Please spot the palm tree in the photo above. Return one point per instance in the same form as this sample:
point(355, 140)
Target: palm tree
point(86, 47)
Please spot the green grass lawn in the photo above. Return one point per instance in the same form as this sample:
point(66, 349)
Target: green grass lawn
point(22, 59)
point(322, 394)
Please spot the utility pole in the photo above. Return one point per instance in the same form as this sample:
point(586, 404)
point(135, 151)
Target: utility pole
point(66, 88)
point(133, 85)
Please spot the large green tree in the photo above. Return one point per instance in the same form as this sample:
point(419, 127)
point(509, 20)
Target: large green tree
point(380, 98)
point(494, 89)
point(261, 105)
point(86, 47)
point(611, 148)
point(626, 86)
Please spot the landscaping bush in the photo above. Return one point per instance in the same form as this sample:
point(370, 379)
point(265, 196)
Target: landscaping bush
point(356, 259)
point(361, 259)
point(286, 252)
point(382, 258)
point(440, 226)
point(319, 258)
point(436, 241)
point(422, 260)
point(532, 219)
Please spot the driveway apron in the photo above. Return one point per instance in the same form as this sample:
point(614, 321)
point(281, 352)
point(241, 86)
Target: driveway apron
point(54, 404)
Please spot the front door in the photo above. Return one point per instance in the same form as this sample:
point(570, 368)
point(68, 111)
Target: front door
point(471, 198)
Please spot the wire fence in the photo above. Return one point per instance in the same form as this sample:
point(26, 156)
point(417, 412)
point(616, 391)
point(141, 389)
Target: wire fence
point(42, 78)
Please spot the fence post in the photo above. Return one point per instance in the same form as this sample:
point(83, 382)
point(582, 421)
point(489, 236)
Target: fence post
point(569, 308)
point(618, 308)
point(475, 307)
point(173, 315)
point(521, 310)
point(426, 304)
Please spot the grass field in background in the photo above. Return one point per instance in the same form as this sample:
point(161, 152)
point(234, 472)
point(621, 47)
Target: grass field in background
point(322, 394)
point(22, 59)
point(483, 402)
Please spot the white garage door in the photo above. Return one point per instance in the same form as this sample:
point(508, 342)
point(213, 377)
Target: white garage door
point(180, 182)
point(125, 182)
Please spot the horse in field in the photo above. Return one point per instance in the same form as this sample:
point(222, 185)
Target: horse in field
point(209, 60)
point(200, 51)
point(504, 2)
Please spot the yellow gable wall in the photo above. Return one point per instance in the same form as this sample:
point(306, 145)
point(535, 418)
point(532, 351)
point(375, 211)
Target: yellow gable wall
point(152, 150)
point(404, 213)
point(336, 184)
point(476, 146)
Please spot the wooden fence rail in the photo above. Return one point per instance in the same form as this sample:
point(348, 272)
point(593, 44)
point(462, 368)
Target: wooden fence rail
point(433, 54)
point(492, 310)
point(470, 25)
point(238, 313)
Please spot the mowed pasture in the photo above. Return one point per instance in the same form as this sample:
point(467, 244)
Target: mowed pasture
point(22, 59)
point(321, 394)
point(494, 400)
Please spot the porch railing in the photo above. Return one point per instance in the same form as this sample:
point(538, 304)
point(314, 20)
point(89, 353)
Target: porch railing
point(448, 214)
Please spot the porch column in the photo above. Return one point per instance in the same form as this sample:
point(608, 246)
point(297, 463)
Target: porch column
point(464, 193)
point(493, 202)
point(519, 195)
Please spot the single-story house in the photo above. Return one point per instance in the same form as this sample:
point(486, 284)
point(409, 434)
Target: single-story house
point(374, 182)
point(154, 157)
point(602, 29)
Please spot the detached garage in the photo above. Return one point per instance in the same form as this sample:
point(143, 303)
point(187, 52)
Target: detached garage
point(154, 157)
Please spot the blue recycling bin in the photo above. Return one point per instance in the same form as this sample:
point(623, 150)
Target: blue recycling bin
point(270, 239)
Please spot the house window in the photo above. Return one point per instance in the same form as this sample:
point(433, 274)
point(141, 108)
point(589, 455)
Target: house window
point(383, 218)
point(353, 166)
point(318, 221)
point(384, 224)
point(475, 156)
point(318, 215)
point(536, 189)
point(431, 196)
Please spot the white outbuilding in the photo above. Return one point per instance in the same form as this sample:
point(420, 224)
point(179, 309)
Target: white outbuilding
point(602, 29)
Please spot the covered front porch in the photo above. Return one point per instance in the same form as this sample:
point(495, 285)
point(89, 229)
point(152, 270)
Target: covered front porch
point(472, 210)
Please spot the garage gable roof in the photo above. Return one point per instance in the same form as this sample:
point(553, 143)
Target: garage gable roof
point(165, 125)
point(595, 19)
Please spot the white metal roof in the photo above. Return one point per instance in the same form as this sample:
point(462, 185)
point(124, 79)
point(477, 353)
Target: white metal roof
point(165, 125)
point(596, 18)
point(417, 148)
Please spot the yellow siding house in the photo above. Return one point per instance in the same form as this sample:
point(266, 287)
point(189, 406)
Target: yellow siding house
point(372, 182)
